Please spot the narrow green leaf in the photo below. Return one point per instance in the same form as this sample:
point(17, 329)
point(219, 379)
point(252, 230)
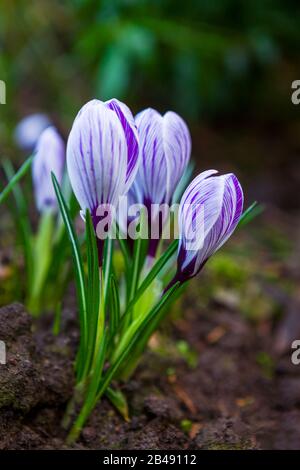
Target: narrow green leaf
point(155, 270)
point(92, 289)
point(124, 248)
point(92, 397)
point(133, 338)
point(79, 271)
point(118, 399)
point(152, 326)
point(115, 307)
point(57, 319)
point(21, 217)
point(107, 265)
point(253, 211)
point(15, 179)
point(136, 266)
point(42, 251)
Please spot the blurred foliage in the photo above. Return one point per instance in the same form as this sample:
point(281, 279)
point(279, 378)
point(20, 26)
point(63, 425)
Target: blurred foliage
point(199, 57)
point(249, 275)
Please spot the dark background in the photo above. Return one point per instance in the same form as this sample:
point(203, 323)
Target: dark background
point(225, 66)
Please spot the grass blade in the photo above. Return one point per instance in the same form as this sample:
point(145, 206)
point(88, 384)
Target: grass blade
point(115, 307)
point(15, 179)
point(134, 339)
point(253, 211)
point(93, 288)
point(21, 217)
point(160, 263)
point(78, 268)
point(118, 400)
point(107, 266)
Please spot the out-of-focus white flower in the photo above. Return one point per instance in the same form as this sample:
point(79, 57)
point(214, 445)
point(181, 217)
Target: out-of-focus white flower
point(49, 158)
point(29, 130)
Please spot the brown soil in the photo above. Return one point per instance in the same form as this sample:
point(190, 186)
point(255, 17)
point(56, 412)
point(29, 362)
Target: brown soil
point(229, 400)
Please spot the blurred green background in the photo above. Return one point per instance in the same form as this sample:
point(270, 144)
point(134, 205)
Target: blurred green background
point(225, 66)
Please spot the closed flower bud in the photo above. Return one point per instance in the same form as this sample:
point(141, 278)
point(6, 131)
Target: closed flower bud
point(165, 149)
point(49, 157)
point(209, 212)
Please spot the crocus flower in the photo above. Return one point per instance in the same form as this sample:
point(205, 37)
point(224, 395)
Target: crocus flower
point(209, 212)
point(49, 157)
point(102, 155)
point(165, 148)
point(29, 130)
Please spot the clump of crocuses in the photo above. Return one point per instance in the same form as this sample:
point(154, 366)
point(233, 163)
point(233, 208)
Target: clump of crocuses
point(127, 174)
point(112, 155)
point(42, 244)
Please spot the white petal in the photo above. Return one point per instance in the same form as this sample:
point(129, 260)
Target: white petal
point(97, 157)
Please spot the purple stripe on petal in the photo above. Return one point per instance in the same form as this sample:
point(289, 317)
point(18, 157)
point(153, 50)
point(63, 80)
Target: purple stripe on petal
point(129, 127)
point(97, 156)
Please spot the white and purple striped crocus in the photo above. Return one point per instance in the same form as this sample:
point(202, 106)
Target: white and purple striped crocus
point(209, 212)
point(165, 149)
point(102, 156)
point(49, 156)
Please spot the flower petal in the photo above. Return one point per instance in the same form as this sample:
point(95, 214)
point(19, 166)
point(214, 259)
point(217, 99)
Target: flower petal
point(127, 121)
point(152, 174)
point(49, 157)
point(177, 147)
point(165, 147)
point(29, 130)
point(97, 156)
point(220, 198)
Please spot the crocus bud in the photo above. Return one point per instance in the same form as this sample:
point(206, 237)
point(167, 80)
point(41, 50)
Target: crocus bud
point(209, 212)
point(49, 157)
point(102, 155)
point(29, 130)
point(165, 148)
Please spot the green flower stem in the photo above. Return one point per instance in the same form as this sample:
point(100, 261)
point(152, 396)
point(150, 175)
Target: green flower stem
point(100, 321)
point(57, 319)
point(71, 407)
point(154, 272)
point(42, 249)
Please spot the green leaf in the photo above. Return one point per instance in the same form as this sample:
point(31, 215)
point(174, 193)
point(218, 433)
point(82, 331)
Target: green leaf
point(115, 307)
point(92, 289)
point(15, 179)
point(107, 265)
point(118, 399)
point(253, 211)
point(152, 325)
point(102, 384)
point(90, 398)
point(139, 253)
point(42, 251)
point(160, 263)
point(124, 248)
point(21, 217)
point(79, 273)
point(133, 339)
point(57, 319)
